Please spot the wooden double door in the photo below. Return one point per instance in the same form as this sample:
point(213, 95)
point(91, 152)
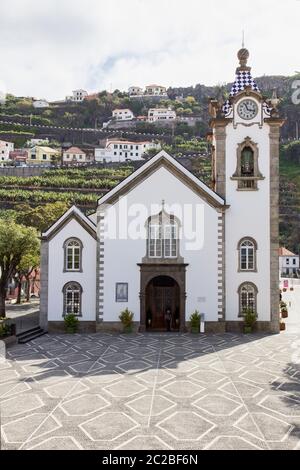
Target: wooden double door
point(162, 294)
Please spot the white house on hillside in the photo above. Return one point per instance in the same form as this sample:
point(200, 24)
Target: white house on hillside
point(40, 104)
point(135, 91)
point(288, 263)
point(73, 156)
point(123, 114)
point(162, 242)
point(5, 148)
point(77, 96)
point(161, 114)
point(122, 150)
point(156, 90)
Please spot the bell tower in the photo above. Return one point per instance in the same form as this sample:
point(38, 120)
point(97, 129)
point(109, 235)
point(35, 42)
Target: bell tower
point(245, 161)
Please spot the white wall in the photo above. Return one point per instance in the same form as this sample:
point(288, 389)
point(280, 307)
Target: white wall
point(111, 154)
point(5, 148)
point(57, 278)
point(248, 215)
point(122, 256)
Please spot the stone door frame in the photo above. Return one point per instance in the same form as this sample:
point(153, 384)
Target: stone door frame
point(149, 271)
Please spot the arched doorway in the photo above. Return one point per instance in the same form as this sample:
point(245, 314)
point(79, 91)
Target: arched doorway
point(162, 295)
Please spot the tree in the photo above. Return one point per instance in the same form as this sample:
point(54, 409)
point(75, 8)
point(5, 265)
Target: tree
point(190, 101)
point(29, 262)
point(16, 241)
point(41, 217)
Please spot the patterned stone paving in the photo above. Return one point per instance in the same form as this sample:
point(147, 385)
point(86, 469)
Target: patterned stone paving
point(152, 391)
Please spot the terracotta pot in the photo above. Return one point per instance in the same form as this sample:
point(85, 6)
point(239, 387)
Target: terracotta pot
point(282, 326)
point(284, 314)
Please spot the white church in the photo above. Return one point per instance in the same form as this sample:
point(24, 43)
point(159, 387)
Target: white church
point(162, 240)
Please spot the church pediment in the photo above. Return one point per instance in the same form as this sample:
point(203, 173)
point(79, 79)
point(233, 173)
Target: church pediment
point(164, 160)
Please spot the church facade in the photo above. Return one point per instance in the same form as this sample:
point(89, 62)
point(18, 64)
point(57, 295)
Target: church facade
point(162, 241)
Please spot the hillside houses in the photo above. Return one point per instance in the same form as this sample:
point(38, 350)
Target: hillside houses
point(149, 91)
point(123, 150)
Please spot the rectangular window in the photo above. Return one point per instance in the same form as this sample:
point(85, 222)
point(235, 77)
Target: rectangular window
point(155, 241)
point(247, 259)
point(247, 302)
point(294, 261)
point(73, 302)
point(170, 241)
point(287, 261)
point(73, 258)
point(121, 292)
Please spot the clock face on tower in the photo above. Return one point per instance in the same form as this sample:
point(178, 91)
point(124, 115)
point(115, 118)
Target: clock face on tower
point(247, 109)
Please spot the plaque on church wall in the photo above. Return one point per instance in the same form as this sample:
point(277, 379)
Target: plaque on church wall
point(121, 292)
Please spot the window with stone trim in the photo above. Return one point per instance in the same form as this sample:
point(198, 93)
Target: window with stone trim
point(247, 298)
point(247, 254)
point(73, 255)
point(72, 293)
point(163, 237)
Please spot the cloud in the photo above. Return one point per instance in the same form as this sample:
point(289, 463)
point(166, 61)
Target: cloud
point(49, 48)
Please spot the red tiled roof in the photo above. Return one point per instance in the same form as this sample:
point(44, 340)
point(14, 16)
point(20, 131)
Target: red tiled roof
point(74, 150)
point(284, 252)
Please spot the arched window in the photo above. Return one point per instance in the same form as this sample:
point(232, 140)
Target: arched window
point(247, 172)
point(247, 254)
point(247, 162)
point(162, 237)
point(247, 298)
point(72, 298)
point(73, 255)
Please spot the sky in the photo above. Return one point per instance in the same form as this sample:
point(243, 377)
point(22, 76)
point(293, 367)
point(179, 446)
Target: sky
point(50, 47)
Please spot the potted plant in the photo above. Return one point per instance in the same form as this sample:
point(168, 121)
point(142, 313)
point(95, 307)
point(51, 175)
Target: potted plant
point(282, 325)
point(71, 323)
point(284, 312)
point(126, 318)
point(4, 329)
point(250, 318)
point(195, 322)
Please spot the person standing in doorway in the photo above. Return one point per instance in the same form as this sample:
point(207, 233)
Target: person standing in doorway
point(168, 318)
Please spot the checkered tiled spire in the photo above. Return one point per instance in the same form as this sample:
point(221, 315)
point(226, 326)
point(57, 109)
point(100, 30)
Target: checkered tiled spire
point(243, 79)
